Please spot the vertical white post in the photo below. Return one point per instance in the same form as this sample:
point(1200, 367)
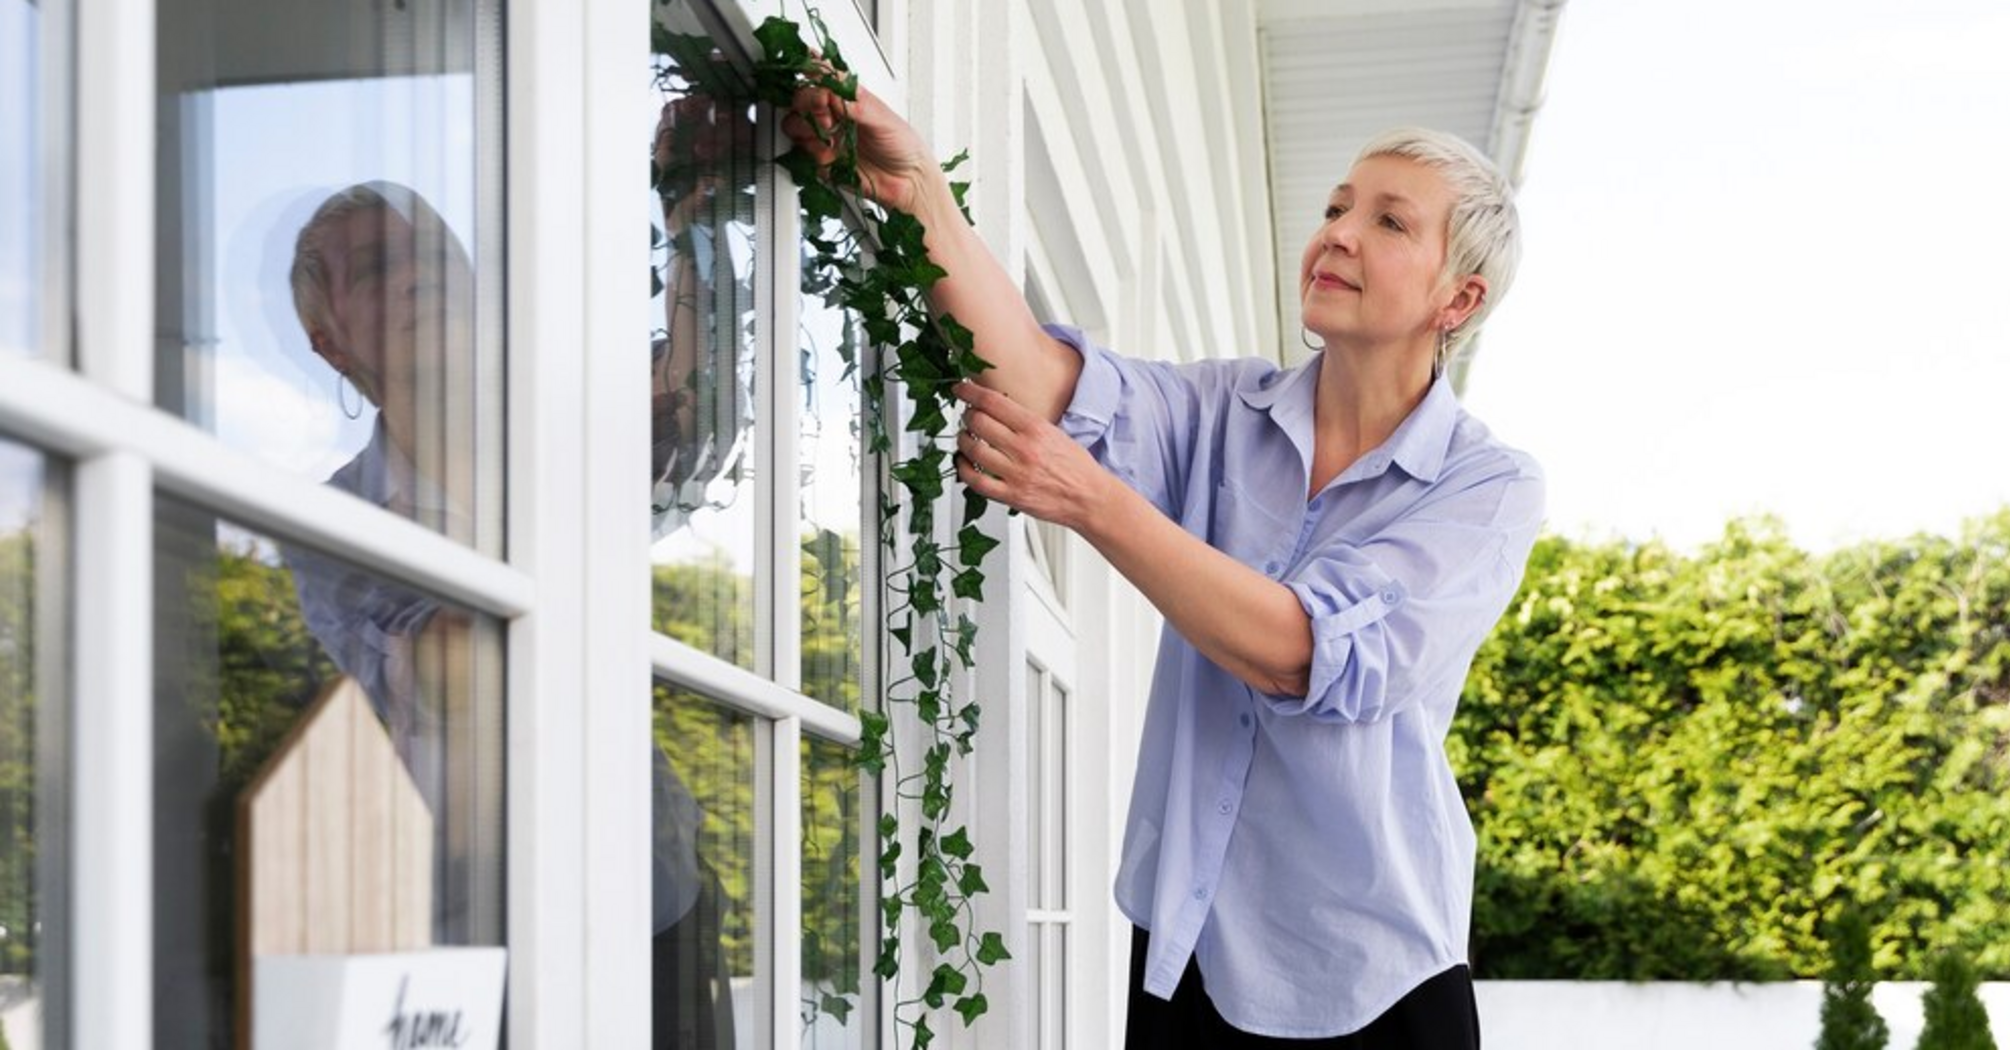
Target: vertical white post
point(111, 900)
point(112, 861)
point(549, 889)
point(1000, 774)
point(788, 884)
point(614, 701)
point(115, 195)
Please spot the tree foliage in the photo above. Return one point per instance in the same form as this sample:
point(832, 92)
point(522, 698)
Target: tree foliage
point(1680, 765)
point(1955, 1017)
point(1849, 1021)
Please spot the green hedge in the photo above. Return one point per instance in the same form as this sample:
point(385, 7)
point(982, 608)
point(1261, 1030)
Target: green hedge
point(1680, 765)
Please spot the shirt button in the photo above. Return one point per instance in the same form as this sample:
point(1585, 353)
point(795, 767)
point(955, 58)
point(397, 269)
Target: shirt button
point(1226, 807)
point(1245, 721)
point(1200, 893)
point(1390, 597)
point(1270, 568)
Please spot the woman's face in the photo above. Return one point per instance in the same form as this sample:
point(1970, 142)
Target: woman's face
point(1370, 275)
point(396, 303)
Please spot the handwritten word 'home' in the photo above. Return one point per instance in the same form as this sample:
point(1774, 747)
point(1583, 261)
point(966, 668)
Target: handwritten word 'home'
point(427, 1028)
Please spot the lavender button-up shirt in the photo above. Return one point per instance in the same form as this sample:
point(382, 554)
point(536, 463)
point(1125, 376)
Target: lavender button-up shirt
point(1312, 851)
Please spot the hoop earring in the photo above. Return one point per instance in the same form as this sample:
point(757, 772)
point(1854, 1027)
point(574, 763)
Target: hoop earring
point(1443, 357)
point(342, 384)
point(1308, 342)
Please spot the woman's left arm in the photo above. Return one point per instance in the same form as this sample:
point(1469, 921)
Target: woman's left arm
point(1254, 627)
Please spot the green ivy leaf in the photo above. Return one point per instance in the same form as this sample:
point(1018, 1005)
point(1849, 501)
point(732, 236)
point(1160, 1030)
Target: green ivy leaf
point(957, 843)
point(972, 1007)
point(972, 545)
point(991, 949)
point(971, 881)
point(968, 584)
point(946, 981)
point(782, 42)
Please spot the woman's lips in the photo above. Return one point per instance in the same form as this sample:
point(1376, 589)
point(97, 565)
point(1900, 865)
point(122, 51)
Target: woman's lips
point(1328, 281)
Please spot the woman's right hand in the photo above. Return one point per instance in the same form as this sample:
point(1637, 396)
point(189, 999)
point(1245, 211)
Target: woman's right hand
point(895, 167)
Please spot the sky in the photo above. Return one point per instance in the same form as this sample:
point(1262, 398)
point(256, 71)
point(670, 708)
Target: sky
point(1765, 272)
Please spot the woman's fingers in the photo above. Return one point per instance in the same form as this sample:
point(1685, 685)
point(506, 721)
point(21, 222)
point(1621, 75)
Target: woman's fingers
point(987, 426)
point(979, 482)
point(986, 456)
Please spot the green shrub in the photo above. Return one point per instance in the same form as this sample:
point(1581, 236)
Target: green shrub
point(1678, 764)
point(1955, 1019)
point(1849, 1021)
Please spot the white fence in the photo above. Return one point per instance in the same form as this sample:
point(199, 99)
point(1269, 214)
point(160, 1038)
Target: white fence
point(1614, 1015)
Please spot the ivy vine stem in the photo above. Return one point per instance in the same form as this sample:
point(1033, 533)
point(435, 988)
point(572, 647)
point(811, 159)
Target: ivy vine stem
point(879, 271)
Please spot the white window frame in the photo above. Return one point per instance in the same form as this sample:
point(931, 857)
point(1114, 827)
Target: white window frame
point(572, 591)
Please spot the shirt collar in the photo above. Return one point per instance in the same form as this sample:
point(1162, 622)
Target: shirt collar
point(1419, 443)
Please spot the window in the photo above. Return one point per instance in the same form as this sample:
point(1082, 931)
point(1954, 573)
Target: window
point(761, 580)
point(33, 853)
point(327, 230)
point(323, 225)
point(32, 176)
point(248, 631)
point(704, 978)
point(1047, 706)
point(833, 899)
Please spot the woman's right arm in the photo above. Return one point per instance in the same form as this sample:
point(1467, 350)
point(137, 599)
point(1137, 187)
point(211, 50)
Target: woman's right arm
point(1028, 365)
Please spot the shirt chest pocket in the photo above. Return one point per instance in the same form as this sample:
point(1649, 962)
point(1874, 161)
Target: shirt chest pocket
point(1246, 528)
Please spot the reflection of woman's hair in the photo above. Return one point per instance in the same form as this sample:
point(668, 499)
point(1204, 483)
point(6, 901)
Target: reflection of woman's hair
point(310, 266)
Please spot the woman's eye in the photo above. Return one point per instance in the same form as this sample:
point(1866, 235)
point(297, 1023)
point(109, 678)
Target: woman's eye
point(1334, 211)
point(1393, 223)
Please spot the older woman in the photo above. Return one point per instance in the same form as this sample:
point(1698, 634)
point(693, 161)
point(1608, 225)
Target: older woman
point(1329, 545)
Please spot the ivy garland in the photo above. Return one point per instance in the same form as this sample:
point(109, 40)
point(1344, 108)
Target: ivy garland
point(879, 271)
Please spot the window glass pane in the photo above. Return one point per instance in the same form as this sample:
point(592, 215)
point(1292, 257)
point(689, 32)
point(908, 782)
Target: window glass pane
point(833, 510)
point(33, 853)
point(248, 632)
point(325, 211)
point(832, 916)
point(704, 807)
point(23, 109)
point(702, 365)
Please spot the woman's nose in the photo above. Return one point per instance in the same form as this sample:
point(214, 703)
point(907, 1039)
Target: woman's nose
point(1339, 232)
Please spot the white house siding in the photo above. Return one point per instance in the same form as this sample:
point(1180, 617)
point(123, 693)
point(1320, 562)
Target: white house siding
point(1118, 164)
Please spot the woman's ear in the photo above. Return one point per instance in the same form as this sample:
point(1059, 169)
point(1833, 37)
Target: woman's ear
point(1469, 296)
point(324, 348)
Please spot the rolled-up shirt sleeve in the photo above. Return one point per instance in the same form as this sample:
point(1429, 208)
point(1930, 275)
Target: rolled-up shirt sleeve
point(1139, 419)
point(1393, 614)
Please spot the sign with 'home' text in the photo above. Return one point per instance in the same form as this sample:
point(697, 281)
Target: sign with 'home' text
point(435, 999)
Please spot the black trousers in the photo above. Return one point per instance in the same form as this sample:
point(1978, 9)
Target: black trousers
point(1439, 1014)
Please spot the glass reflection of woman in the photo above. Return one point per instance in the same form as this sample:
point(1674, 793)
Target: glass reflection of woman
point(701, 399)
point(383, 289)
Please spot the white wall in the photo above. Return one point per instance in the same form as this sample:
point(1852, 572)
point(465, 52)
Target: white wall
point(1600, 1015)
point(1116, 154)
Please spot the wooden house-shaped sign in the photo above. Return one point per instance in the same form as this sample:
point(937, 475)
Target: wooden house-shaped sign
point(335, 897)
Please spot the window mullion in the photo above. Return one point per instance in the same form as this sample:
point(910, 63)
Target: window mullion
point(787, 855)
point(775, 301)
point(549, 881)
point(111, 946)
point(115, 179)
point(616, 689)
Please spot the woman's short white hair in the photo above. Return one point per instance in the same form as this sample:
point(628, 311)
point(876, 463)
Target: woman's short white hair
point(1485, 233)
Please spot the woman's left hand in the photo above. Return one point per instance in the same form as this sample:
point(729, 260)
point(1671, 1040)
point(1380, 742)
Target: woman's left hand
point(1008, 453)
